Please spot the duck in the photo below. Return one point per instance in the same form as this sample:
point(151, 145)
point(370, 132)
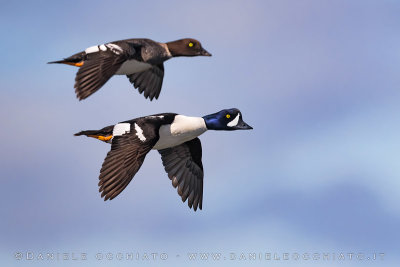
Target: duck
point(174, 136)
point(141, 60)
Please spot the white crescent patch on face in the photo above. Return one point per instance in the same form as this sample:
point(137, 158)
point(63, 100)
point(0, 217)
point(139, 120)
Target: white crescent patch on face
point(234, 122)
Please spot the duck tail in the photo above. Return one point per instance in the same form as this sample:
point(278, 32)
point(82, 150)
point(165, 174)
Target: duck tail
point(87, 132)
point(76, 60)
point(104, 134)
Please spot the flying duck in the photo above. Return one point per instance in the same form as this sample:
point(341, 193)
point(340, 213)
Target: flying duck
point(176, 139)
point(141, 60)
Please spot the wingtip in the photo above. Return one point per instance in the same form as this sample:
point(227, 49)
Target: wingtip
point(80, 97)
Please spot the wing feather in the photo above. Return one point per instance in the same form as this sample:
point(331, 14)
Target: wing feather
point(123, 161)
point(97, 69)
point(185, 169)
point(149, 81)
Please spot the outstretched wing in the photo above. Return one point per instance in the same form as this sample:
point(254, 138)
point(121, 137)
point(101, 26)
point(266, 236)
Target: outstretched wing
point(149, 81)
point(185, 169)
point(125, 158)
point(97, 69)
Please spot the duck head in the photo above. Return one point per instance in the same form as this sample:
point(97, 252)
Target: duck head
point(187, 47)
point(226, 119)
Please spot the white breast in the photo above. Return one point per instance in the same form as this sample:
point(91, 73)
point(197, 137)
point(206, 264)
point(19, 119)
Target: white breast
point(181, 130)
point(132, 66)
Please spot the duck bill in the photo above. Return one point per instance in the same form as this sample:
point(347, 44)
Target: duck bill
point(205, 53)
point(243, 126)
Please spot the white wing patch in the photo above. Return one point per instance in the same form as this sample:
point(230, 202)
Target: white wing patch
point(154, 117)
point(115, 48)
point(96, 48)
point(139, 133)
point(102, 47)
point(92, 49)
point(121, 128)
point(234, 122)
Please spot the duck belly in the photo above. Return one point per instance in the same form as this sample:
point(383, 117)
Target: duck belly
point(132, 66)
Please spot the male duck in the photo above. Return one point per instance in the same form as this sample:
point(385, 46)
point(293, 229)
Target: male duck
point(175, 138)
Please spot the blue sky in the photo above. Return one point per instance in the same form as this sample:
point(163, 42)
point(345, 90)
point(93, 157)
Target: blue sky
point(318, 81)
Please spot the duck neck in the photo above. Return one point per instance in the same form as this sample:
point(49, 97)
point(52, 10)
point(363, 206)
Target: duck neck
point(175, 48)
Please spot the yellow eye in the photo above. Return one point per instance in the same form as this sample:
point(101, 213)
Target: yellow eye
point(191, 44)
point(228, 116)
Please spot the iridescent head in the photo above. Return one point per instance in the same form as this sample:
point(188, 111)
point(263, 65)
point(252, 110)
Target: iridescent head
point(226, 119)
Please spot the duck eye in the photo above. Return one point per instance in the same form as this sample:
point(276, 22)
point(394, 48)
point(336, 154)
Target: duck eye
point(228, 116)
point(191, 44)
